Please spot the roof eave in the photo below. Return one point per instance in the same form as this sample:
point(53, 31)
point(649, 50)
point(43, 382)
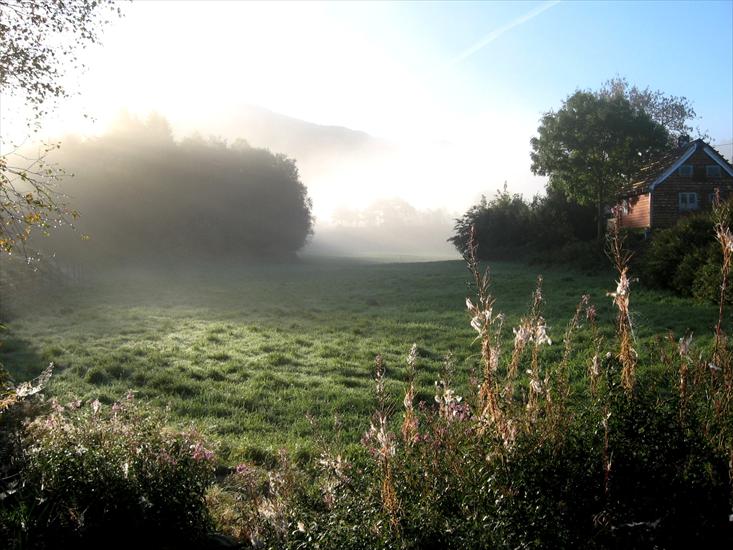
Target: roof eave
point(669, 171)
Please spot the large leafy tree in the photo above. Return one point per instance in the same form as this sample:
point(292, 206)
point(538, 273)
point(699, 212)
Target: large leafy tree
point(593, 145)
point(39, 44)
point(675, 113)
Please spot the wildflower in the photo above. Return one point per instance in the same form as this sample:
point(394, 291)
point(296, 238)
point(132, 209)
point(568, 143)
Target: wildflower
point(96, 406)
point(412, 357)
point(494, 358)
point(525, 333)
point(384, 445)
point(200, 452)
point(74, 404)
point(243, 469)
point(337, 465)
point(621, 296)
point(604, 422)
point(725, 237)
point(684, 345)
point(540, 333)
point(595, 366)
point(522, 335)
point(509, 433)
point(126, 469)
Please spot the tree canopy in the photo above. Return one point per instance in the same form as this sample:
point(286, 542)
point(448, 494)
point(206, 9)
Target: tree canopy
point(147, 198)
point(593, 145)
point(40, 41)
point(673, 112)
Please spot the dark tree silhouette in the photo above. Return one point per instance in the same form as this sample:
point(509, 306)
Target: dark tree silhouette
point(148, 198)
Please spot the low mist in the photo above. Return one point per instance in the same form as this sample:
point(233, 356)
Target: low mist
point(388, 229)
point(147, 199)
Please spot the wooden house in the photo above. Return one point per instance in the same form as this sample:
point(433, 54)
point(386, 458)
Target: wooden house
point(682, 181)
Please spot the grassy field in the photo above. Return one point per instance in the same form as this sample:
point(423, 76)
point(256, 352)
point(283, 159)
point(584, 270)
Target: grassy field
point(280, 356)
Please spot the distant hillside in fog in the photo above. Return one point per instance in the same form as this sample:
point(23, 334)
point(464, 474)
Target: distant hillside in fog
point(309, 143)
point(295, 137)
point(340, 166)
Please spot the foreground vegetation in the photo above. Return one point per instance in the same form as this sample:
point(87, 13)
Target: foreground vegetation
point(595, 434)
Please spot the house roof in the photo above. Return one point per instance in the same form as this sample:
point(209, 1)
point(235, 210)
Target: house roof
point(666, 164)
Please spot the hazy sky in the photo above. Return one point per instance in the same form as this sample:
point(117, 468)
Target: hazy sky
point(459, 87)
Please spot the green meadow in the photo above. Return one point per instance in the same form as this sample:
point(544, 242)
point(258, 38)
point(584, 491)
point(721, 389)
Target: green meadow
point(266, 357)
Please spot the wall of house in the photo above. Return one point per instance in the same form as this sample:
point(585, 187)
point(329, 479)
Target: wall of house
point(665, 201)
point(638, 212)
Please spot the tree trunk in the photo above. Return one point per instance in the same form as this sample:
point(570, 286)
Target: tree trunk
point(600, 220)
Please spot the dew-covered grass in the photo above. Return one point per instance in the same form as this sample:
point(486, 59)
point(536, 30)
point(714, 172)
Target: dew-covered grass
point(282, 356)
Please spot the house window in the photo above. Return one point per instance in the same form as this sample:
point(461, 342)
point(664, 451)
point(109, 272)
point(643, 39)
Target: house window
point(712, 171)
point(687, 201)
point(685, 170)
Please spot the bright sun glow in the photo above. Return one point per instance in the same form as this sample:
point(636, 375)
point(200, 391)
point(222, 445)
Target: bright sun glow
point(448, 129)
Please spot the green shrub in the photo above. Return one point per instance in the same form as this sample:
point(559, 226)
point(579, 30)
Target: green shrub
point(685, 258)
point(96, 475)
point(549, 229)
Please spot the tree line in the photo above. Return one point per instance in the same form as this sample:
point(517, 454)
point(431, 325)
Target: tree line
point(145, 197)
point(589, 149)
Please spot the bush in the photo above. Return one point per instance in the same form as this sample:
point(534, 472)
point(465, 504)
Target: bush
point(501, 225)
point(98, 476)
point(685, 258)
point(509, 227)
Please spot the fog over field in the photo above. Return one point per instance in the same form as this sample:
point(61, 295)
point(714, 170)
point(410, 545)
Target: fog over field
point(366, 275)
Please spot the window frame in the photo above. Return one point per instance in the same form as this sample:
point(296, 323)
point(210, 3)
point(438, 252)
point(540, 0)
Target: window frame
point(717, 169)
point(682, 171)
point(686, 205)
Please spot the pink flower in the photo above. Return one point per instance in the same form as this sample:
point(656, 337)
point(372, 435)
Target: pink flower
point(200, 452)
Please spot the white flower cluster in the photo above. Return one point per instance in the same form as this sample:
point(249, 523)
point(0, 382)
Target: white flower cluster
point(527, 333)
point(684, 345)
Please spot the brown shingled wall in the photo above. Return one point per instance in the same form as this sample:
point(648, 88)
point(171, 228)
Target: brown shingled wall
point(638, 216)
point(665, 209)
